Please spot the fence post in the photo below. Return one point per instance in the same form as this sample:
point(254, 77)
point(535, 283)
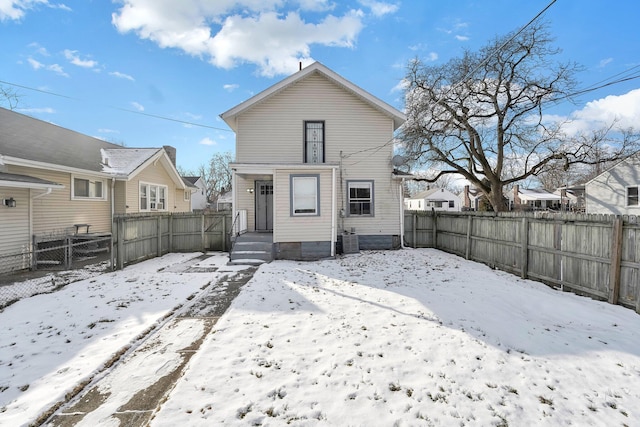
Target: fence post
point(467, 253)
point(414, 220)
point(202, 242)
point(435, 228)
point(120, 230)
point(524, 254)
point(159, 236)
point(68, 251)
point(616, 260)
point(171, 233)
point(34, 253)
point(224, 234)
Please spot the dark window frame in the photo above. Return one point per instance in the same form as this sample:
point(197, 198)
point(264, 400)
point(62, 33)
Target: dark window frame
point(305, 156)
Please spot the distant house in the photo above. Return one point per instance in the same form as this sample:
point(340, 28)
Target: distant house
point(224, 201)
point(52, 179)
point(615, 191)
point(438, 199)
point(572, 198)
point(471, 198)
point(314, 163)
point(198, 192)
point(534, 199)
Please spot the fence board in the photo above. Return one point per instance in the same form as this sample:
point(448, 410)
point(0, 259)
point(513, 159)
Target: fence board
point(575, 252)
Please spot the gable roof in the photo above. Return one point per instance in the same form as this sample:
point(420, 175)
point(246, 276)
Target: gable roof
point(27, 138)
point(316, 68)
point(426, 194)
point(31, 142)
point(536, 194)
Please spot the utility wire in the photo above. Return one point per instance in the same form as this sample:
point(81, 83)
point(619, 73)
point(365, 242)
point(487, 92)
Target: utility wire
point(155, 116)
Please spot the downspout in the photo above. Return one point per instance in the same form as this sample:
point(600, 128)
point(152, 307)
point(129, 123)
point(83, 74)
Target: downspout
point(113, 186)
point(31, 199)
point(234, 202)
point(49, 189)
point(402, 213)
point(333, 212)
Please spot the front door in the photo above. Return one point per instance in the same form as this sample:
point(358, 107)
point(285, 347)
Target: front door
point(264, 205)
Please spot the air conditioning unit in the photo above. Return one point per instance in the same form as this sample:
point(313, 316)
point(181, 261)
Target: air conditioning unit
point(350, 244)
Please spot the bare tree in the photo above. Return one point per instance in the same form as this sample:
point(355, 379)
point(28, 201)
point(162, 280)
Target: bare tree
point(9, 97)
point(217, 175)
point(481, 116)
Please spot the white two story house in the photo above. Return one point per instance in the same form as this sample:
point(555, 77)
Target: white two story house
point(313, 164)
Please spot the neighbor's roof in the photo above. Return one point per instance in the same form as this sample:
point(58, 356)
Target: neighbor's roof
point(526, 194)
point(316, 68)
point(124, 161)
point(428, 194)
point(24, 137)
point(25, 181)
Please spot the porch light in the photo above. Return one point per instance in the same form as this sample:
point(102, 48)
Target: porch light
point(250, 190)
point(10, 202)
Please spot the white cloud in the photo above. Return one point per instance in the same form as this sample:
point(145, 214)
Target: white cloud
point(73, 57)
point(40, 50)
point(462, 38)
point(137, 106)
point(121, 75)
point(207, 141)
point(37, 65)
point(401, 86)
point(379, 8)
point(228, 33)
point(108, 131)
point(47, 110)
point(16, 9)
point(604, 62)
point(230, 87)
point(621, 110)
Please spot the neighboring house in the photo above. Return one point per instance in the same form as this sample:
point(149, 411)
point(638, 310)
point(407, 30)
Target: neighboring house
point(616, 190)
point(58, 178)
point(224, 201)
point(439, 199)
point(313, 162)
point(198, 192)
point(534, 199)
point(572, 198)
point(471, 199)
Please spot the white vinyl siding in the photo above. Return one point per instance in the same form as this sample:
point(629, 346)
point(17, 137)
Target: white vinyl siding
point(14, 229)
point(272, 132)
point(608, 193)
point(57, 212)
point(308, 228)
point(157, 175)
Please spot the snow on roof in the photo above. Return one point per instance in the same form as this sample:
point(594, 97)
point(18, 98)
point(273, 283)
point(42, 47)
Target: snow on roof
point(123, 161)
point(527, 194)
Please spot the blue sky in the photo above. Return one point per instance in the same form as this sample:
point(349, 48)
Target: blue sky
point(103, 62)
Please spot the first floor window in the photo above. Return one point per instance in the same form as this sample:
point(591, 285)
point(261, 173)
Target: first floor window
point(86, 188)
point(360, 198)
point(187, 195)
point(153, 197)
point(304, 195)
point(452, 204)
point(632, 196)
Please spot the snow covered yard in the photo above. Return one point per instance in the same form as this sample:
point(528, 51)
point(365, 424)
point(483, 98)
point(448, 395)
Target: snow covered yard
point(407, 338)
point(50, 343)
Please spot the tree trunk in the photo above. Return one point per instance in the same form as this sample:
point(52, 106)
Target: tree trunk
point(496, 198)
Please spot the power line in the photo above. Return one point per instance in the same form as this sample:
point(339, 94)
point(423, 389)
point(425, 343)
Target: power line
point(141, 113)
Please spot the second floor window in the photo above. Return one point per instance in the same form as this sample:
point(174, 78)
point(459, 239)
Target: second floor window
point(314, 142)
point(632, 196)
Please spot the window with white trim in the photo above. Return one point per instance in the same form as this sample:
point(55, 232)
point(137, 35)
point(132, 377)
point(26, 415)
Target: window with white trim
point(153, 197)
point(187, 195)
point(360, 198)
point(88, 188)
point(632, 196)
point(305, 194)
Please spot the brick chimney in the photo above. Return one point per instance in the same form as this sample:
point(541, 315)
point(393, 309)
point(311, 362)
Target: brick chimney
point(516, 197)
point(467, 200)
point(171, 152)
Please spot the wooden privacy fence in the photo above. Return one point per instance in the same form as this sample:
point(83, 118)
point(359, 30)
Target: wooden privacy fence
point(140, 237)
point(593, 255)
